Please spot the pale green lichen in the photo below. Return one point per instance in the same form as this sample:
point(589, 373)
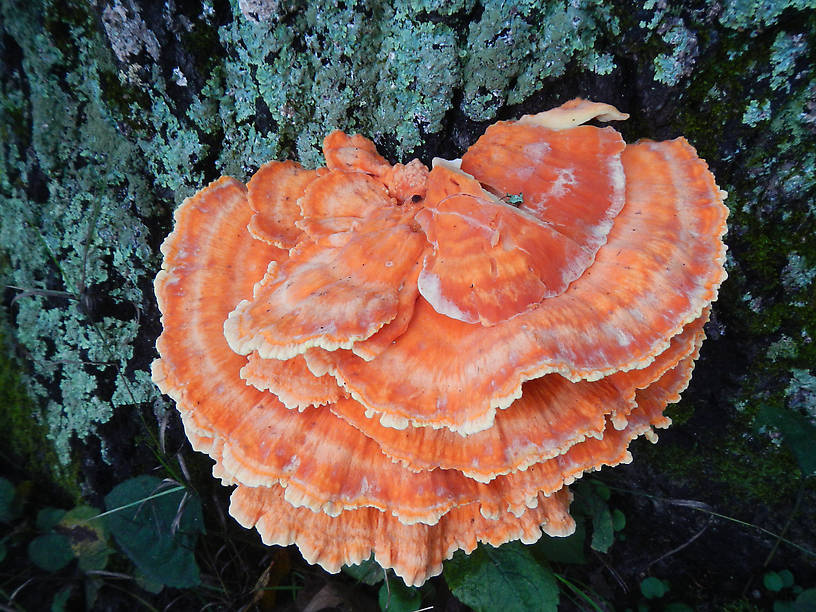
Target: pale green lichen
point(786, 51)
point(797, 273)
point(670, 68)
point(801, 393)
point(171, 151)
point(751, 15)
point(83, 235)
point(418, 81)
point(784, 348)
point(514, 48)
point(756, 112)
point(441, 7)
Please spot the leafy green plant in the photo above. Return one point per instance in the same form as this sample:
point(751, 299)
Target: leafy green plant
point(66, 536)
point(653, 588)
point(394, 595)
point(805, 601)
point(368, 572)
point(9, 506)
point(496, 577)
point(783, 584)
point(55, 539)
point(798, 433)
point(591, 505)
point(50, 551)
point(776, 581)
point(563, 550)
point(508, 578)
point(156, 524)
point(8, 510)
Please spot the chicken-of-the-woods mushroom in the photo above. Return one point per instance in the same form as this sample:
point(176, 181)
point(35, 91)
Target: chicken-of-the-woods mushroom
point(400, 361)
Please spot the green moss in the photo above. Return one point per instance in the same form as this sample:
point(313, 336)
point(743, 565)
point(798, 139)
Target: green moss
point(768, 167)
point(741, 466)
point(680, 412)
point(24, 432)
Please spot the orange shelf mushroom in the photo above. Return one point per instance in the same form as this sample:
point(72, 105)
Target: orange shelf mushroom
point(393, 360)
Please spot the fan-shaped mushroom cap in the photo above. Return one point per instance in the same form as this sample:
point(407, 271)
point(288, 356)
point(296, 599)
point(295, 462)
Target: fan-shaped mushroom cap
point(574, 113)
point(346, 470)
point(492, 261)
point(344, 194)
point(369, 348)
point(291, 381)
point(551, 415)
point(353, 153)
point(273, 193)
point(415, 552)
point(254, 436)
point(358, 154)
point(210, 262)
point(329, 293)
point(611, 449)
point(572, 179)
point(662, 264)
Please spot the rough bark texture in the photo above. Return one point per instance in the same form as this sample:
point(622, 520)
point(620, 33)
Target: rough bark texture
point(113, 111)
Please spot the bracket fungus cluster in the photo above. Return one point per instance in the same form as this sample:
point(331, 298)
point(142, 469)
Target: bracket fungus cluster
point(400, 361)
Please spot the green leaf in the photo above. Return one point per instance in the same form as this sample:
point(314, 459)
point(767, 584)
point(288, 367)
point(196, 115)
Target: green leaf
point(48, 517)
point(653, 588)
point(603, 531)
point(506, 578)
point(50, 552)
point(618, 520)
point(590, 501)
point(92, 586)
point(368, 572)
point(8, 508)
point(602, 490)
point(88, 537)
point(562, 550)
point(156, 531)
point(806, 600)
point(797, 433)
point(396, 597)
point(149, 585)
point(61, 599)
point(773, 581)
point(787, 578)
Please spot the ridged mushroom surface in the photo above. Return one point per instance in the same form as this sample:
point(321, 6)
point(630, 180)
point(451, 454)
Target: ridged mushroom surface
point(394, 360)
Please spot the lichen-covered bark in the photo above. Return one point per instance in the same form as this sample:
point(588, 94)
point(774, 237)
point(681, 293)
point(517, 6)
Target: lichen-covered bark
point(114, 111)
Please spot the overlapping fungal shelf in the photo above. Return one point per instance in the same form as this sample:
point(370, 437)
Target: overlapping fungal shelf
point(405, 361)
